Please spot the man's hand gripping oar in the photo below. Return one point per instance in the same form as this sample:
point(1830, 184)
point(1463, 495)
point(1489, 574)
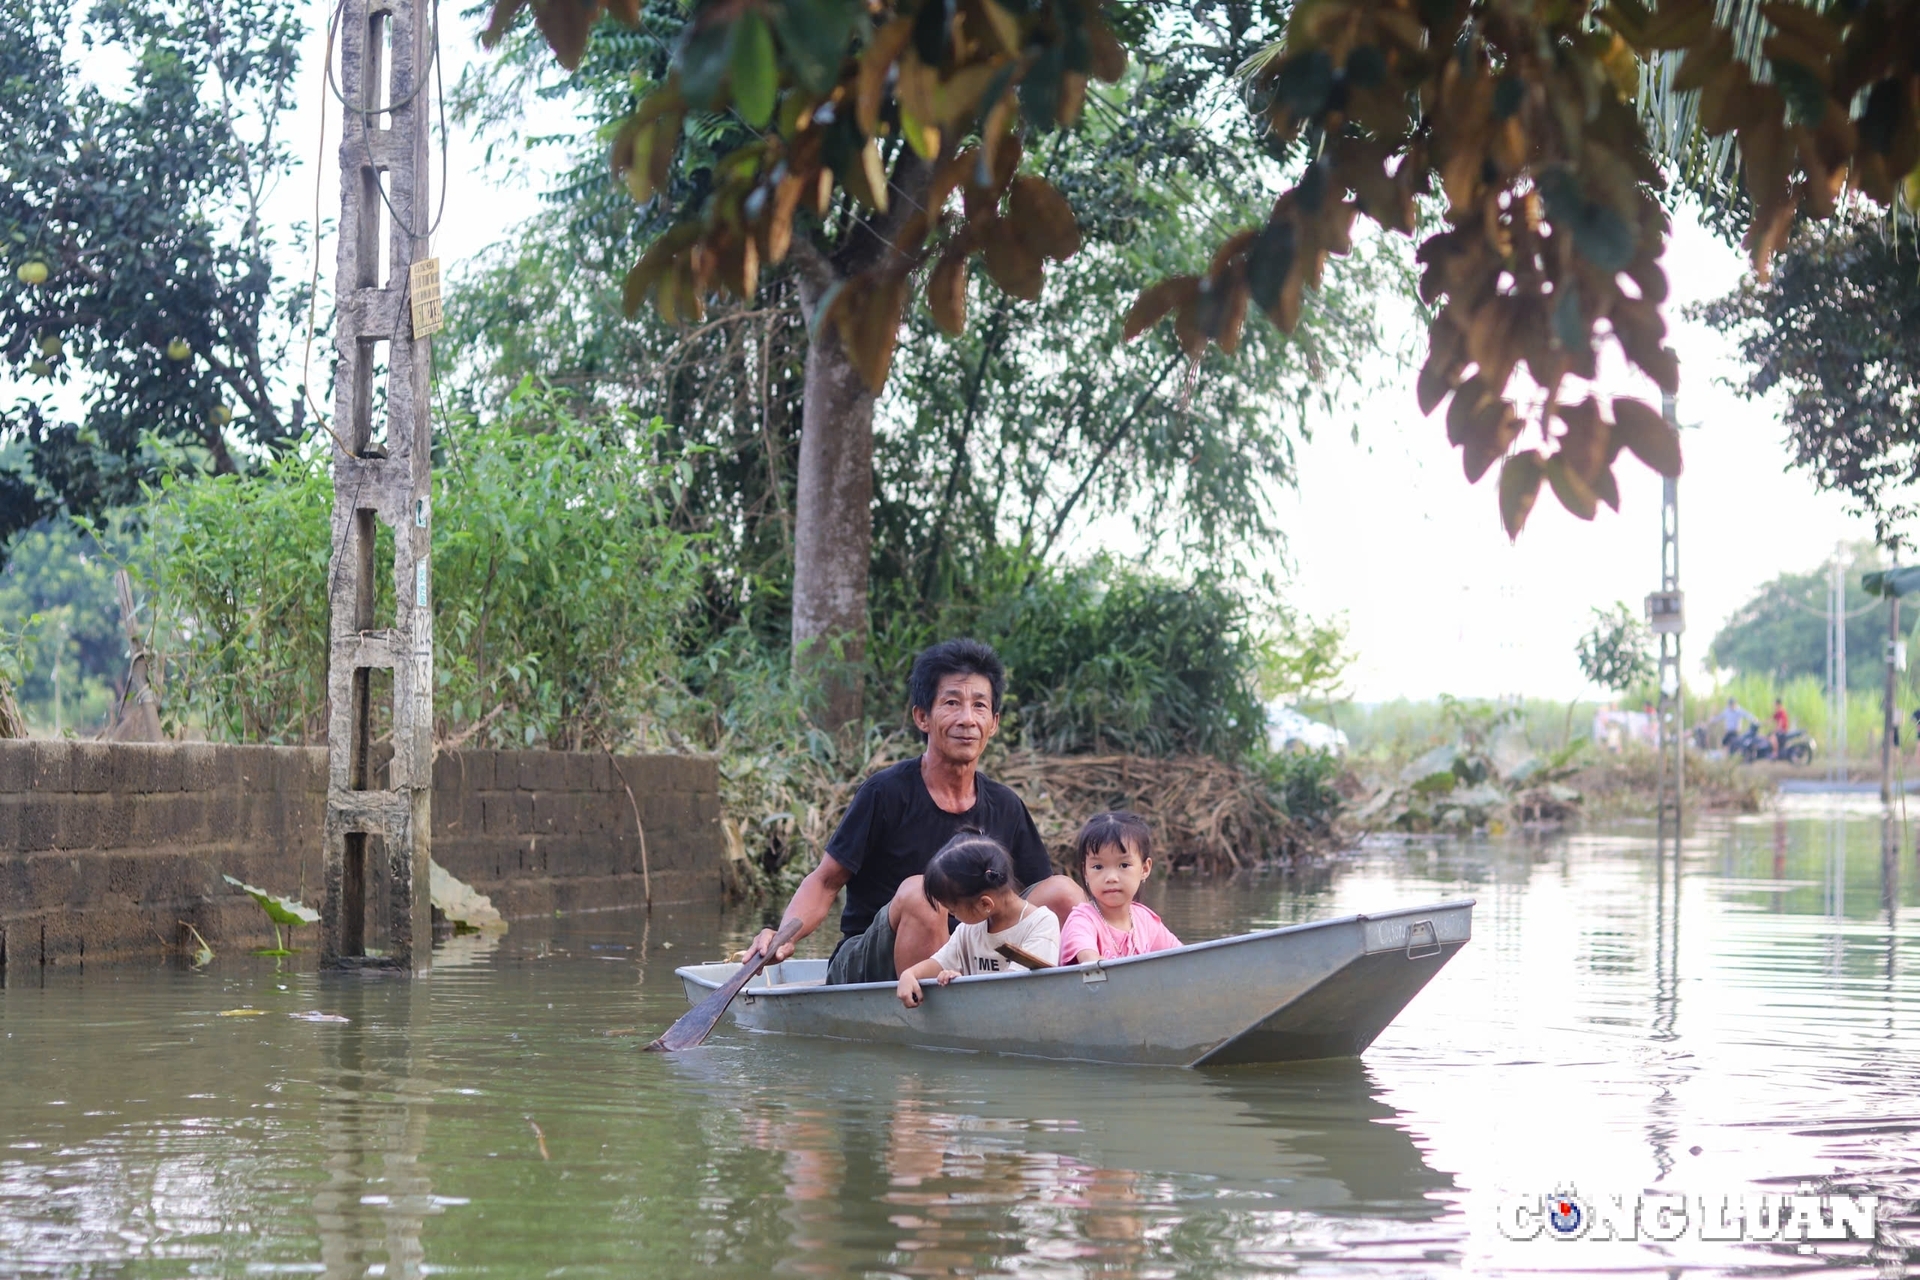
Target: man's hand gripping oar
point(697, 1023)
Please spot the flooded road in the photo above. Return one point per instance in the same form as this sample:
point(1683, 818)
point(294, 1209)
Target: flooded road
point(1750, 1026)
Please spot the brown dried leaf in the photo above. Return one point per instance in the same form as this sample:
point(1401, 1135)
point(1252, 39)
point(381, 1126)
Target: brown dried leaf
point(870, 85)
point(1233, 316)
point(947, 288)
point(1520, 480)
point(1011, 262)
point(1583, 448)
point(566, 25)
point(1155, 301)
point(1641, 429)
point(1109, 56)
point(1043, 218)
point(870, 324)
point(1704, 61)
point(1575, 494)
point(504, 12)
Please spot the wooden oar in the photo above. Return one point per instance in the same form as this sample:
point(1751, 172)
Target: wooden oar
point(697, 1023)
point(1010, 952)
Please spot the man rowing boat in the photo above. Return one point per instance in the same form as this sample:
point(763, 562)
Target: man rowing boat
point(902, 815)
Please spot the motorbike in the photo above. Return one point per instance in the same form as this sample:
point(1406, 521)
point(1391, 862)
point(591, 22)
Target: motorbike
point(1794, 746)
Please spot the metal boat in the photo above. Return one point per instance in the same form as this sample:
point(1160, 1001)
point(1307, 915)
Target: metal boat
point(1320, 990)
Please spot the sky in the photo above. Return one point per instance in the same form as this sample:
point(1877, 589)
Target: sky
point(1383, 532)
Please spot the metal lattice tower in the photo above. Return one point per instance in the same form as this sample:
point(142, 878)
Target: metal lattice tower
point(1837, 667)
point(1665, 612)
point(380, 669)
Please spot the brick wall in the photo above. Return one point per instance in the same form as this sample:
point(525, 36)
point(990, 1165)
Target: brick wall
point(108, 850)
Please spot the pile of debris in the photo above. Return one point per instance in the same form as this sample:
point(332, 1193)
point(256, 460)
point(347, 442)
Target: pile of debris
point(1206, 815)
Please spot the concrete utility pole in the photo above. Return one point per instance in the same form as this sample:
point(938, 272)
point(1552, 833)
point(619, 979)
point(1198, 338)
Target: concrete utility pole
point(381, 668)
point(1666, 614)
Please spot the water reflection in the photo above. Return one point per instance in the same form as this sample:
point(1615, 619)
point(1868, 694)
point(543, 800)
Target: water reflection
point(978, 1159)
point(371, 1119)
point(1728, 1013)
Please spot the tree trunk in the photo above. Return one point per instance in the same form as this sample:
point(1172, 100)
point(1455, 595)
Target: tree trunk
point(833, 526)
point(833, 499)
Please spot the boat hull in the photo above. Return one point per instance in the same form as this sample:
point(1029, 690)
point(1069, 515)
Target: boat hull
point(1319, 990)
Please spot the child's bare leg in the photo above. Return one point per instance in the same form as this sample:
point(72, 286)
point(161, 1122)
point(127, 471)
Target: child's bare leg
point(1058, 894)
point(919, 927)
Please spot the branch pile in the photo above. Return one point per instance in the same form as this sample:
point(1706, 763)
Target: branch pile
point(1205, 814)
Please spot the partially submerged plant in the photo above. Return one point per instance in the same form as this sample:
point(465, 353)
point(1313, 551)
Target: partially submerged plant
point(282, 911)
point(203, 956)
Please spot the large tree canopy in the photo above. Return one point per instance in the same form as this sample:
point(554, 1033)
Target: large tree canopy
point(1518, 116)
point(138, 265)
point(1782, 631)
point(1837, 331)
point(1020, 430)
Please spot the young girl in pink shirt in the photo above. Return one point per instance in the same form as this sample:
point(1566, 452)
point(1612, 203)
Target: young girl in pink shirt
point(1115, 852)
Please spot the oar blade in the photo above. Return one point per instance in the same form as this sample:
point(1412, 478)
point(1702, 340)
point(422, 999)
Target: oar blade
point(697, 1023)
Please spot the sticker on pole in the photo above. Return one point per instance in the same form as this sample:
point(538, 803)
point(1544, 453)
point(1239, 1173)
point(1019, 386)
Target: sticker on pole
point(423, 290)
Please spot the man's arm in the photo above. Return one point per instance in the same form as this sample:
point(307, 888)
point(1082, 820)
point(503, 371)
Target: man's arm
point(811, 903)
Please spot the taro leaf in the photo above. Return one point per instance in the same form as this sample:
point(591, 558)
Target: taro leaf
point(755, 78)
point(703, 62)
point(461, 902)
point(279, 910)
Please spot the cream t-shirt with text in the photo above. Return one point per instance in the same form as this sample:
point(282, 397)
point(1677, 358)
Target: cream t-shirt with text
point(971, 948)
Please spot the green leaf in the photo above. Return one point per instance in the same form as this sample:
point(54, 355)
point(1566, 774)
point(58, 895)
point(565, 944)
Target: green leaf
point(755, 77)
point(279, 910)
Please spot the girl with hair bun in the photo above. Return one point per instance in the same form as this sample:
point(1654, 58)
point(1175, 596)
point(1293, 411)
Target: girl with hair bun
point(972, 879)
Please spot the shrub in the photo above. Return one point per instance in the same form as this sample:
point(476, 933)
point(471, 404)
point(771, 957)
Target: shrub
point(560, 591)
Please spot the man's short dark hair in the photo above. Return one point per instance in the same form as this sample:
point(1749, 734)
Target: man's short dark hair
point(953, 658)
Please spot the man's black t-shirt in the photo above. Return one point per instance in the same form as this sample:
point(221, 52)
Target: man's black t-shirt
point(893, 828)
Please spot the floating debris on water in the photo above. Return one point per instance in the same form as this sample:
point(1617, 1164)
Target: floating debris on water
point(241, 1013)
point(315, 1015)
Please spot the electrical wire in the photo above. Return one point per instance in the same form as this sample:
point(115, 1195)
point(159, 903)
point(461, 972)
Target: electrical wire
point(330, 87)
point(362, 113)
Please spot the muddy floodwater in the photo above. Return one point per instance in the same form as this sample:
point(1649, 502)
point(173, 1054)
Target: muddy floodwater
point(1749, 1027)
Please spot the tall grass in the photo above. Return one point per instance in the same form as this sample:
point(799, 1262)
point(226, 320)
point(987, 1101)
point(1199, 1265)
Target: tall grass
point(1405, 727)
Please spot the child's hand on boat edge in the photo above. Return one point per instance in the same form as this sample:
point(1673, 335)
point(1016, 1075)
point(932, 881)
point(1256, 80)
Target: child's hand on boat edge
point(909, 988)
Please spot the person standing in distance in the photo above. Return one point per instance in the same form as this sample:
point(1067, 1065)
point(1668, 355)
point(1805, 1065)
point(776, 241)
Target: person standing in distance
point(906, 813)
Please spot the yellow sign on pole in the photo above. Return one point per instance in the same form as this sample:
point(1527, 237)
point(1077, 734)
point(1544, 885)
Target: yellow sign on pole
point(423, 290)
